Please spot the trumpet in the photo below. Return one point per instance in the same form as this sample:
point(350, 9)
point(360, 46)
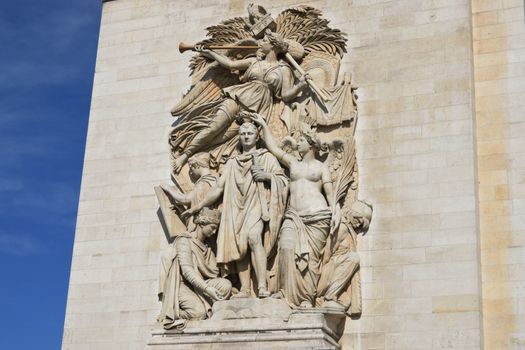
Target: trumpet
point(183, 47)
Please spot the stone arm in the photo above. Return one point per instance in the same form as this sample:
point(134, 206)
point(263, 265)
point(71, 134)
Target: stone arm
point(212, 197)
point(182, 198)
point(187, 267)
point(290, 90)
point(326, 179)
point(328, 189)
point(283, 157)
point(225, 61)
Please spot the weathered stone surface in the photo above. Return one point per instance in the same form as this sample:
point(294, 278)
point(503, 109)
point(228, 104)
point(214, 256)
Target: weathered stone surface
point(301, 329)
point(268, 308)
point(425, 139)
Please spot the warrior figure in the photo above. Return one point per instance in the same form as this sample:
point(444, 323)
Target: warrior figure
point(254, 189)
point(340, 285)
point(265, 77)
point(189, 282)
point(203, 180)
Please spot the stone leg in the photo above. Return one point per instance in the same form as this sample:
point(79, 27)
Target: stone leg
point(190, 305)
point(337, 274)
point(218, 125)
point(223, 285)
point(258, 255)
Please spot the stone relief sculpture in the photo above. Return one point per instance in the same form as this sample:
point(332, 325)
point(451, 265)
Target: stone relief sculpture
point(264, 78)
point(254, 190)
point(203, 180)
point(340, 282)
point(189, 282)
point(307, 220)
point(265, 136)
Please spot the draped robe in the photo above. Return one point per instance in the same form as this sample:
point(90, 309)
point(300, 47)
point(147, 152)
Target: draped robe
point(186, 268)
point(243, 198)
point(301, 244)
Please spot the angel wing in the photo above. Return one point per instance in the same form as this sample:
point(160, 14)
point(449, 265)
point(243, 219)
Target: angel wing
point(341, 161)
point(208, 78)
point(289, 145)
point(230, 31)
point(305, 25)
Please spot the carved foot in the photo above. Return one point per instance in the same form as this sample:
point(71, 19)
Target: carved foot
point(306, 303)
point(263, 293)
point(278, 295)
point(242, 294)
point(179, 163)
point(333, 305)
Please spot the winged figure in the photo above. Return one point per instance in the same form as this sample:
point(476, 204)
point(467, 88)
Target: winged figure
point(280, 74)
point(266, 79)
point(317, 190)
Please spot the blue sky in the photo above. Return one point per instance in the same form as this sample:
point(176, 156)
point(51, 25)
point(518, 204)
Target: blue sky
point(47, 58)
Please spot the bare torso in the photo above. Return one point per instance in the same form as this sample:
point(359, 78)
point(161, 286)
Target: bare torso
point(306, 187)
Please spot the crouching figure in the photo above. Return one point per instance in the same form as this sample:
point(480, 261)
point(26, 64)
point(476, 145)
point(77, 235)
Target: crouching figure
point(189, 282)
point(340, 282)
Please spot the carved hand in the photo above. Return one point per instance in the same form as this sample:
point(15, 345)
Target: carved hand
point(257, 119)
point(259, 174)
point(303, 80)
point(213, 293)
point(336, 219)
point(203, 51)
point(191, 211)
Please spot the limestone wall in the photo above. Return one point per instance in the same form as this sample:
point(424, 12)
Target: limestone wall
point(441, 107)
point(499, 73)
point(412, 61)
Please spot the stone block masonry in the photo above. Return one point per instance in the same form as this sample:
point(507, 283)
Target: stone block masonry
point(440, 151)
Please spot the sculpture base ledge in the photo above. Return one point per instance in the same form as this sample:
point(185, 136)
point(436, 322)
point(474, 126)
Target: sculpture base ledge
point(302, 329)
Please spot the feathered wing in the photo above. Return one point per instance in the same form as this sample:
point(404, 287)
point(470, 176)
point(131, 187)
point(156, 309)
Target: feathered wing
point(208, 78)
point(343, 166)
point(227, 32)
point(208, 88)
point(305, 25)
point(323, 48)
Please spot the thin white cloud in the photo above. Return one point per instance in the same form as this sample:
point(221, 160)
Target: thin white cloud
point(19, 246)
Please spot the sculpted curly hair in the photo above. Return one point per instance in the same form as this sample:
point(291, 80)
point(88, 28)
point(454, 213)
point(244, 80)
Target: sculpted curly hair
point(277, 41)
point(208, 216)
point(311, 138)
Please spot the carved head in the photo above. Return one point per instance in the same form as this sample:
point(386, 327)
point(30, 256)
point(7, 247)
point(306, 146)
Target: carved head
point(208, 220)
point(198, 164)
point(276, 41)
point(307, 141)
point(248, 135)
point(256, 12)
point(271, 42)
point(360, 215)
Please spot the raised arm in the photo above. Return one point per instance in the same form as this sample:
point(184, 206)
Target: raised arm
point(225, 61)
point(177, 196)
point(189, 271)
point(290, 90)
point(283, 157)
point(213, 195)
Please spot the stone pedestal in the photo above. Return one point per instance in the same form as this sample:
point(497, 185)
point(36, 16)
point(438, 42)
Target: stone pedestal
point(256, 324)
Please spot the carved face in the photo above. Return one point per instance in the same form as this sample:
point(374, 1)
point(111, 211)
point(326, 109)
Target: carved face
point(248, 136)
point(195, 171)
point(302, 145)
point(209, 230)
point(265, 46)
point(356, 219)
point(359, 220)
